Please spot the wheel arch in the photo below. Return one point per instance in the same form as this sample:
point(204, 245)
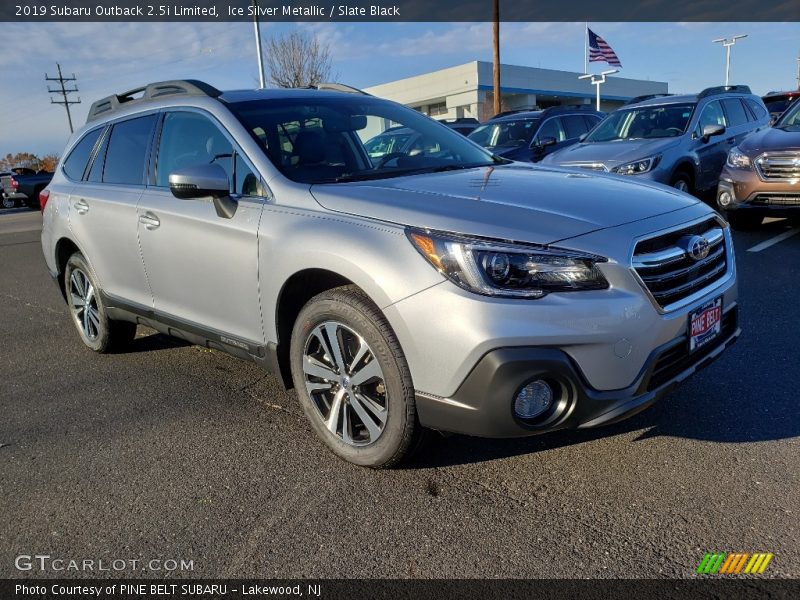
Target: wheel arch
point(688, 167)
point(64, 248)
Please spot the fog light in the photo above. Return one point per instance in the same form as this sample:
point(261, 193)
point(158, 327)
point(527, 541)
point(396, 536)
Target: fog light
point(533, 399)
point(725, 199)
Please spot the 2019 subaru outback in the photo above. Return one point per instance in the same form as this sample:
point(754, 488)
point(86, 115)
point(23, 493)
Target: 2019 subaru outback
point(454, 291)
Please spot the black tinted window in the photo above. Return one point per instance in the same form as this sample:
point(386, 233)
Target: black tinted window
point(590, 121)
point(575, 126)
point(190, 139)
point(75, 164)
point(551, 128)
point(736, 112)
point(127, 151)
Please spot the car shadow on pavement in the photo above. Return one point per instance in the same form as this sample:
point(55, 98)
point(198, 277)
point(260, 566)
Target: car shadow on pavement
point(706, 411)
point(151, 341)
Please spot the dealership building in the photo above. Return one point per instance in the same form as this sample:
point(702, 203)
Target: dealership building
point(466, 90)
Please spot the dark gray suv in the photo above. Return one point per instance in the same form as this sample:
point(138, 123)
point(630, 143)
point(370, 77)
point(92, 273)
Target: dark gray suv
point(681, 141)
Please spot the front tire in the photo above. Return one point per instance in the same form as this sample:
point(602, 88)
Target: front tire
point(84, 298)
point(353, 380)
point(9, 202)
point(682, 182)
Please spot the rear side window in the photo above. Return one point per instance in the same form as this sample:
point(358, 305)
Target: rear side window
point(735, 111)
point(758, 110)
point(126, 156)
point(75, 164)
point(575, 126)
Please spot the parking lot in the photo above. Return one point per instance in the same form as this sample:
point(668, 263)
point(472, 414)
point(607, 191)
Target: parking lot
point(171, 451)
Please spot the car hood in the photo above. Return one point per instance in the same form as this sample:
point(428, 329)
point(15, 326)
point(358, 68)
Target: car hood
point(773, 138)
point(514, 202)
point(610, 154)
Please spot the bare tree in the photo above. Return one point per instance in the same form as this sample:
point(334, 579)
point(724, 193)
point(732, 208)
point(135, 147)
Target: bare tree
point(298, 59)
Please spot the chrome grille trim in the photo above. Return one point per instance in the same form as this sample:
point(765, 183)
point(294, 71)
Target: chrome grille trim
point(671, 278)
point(776, 199)
point(778, 165)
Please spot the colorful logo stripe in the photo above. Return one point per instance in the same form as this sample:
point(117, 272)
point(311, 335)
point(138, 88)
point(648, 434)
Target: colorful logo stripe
point(734, 563)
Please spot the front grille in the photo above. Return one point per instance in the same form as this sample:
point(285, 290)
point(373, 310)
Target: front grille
point(784, 165)
point(667, 268)
point(775, 199)
point(677, 358)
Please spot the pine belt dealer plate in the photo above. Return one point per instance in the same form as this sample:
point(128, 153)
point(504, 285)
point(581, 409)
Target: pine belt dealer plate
point(705, 324)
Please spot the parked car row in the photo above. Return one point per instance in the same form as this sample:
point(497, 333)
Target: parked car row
point(724, 142)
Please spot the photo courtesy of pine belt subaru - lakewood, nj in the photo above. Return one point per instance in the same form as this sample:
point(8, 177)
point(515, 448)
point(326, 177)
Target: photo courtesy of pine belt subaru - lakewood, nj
point(681, 141)
point(447, 290)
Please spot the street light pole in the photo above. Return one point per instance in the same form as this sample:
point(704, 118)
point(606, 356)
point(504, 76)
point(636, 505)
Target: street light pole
point(597, 81)
point(727, 43)
point(261, 78)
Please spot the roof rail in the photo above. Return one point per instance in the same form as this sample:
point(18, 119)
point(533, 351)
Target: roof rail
point(562, 108)
point(514, 111)
point(460, 120)
point(338, 87)
point(151, 91)
point(724, 89)
point(644, 97)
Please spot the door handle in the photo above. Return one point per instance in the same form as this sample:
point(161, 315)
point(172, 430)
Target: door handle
point(149, 220)
point(81, 206)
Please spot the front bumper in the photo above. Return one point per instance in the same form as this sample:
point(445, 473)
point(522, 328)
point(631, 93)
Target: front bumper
point(483, 404)
point(754, 196)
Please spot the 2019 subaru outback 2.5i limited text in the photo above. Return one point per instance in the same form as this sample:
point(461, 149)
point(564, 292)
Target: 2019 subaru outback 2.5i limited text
point(449, 290)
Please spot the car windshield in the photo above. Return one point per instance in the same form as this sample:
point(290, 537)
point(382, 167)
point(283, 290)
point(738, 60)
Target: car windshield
point(643, 123)
point(791, 118)
point(506, 134)
point(383, 144)
point(325, 139)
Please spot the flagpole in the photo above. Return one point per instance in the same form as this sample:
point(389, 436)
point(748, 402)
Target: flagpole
point(586, 47)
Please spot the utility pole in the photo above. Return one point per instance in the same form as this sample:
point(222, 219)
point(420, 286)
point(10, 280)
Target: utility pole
point(261, 78)
point(798, 70)
point(496, 44)
point(63, 91)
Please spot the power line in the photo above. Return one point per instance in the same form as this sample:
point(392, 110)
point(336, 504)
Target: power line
point(63, 91)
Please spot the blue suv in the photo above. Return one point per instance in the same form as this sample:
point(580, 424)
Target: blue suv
point(530, 135)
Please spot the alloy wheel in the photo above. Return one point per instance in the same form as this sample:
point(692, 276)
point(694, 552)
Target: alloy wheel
point(345, 383)
point(84, 304)
point(681, 186)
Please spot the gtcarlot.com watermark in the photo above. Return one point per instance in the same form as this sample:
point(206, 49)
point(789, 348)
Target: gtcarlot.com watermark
point(44, 563)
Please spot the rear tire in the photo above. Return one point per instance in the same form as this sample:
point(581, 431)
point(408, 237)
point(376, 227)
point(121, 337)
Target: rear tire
point(352, 379)
point(9, 202)
point(743, 221)
point(85, 300)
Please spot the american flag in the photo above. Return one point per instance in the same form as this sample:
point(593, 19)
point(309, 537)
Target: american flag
point(600, 51)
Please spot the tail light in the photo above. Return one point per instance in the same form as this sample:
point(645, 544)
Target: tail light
point(44, 196)
point(14, 183)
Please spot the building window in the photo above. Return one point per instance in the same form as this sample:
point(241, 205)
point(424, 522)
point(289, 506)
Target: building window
point(435, 110)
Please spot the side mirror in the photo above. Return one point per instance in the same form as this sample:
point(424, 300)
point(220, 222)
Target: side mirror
point(547, 141)
point(201, 182)
point(710, 131)
point(583, 137)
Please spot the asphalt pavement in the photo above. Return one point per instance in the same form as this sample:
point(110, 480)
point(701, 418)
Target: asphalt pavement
point(173, 452)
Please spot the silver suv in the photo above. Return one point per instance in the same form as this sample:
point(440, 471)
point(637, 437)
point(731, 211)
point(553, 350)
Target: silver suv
point(446, 289)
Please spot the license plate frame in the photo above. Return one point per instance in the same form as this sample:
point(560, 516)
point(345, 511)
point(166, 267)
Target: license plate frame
point(704, 324)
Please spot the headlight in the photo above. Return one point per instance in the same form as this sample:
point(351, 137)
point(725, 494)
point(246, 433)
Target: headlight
point(638, 166)
point(508, 270)
point(737, 159)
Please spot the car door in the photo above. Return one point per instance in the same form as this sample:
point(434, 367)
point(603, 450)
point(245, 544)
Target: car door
point(552, 127)
point(102, 209)
point(711, 153)
point(203, 268)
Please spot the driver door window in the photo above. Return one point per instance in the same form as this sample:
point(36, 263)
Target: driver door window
point(550, 128)
point(189, 139)
point(712, 115)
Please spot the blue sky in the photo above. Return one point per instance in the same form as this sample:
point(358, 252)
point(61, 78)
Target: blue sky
point(114, 57)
